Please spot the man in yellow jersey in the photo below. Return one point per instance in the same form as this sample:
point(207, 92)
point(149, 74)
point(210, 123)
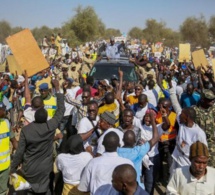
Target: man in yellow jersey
point(6, 135)
point(49, 101)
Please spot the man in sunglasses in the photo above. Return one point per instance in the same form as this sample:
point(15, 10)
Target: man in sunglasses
point(168, 138)
point(205, 116)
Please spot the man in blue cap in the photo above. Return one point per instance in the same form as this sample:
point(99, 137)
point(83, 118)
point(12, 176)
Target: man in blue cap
point(48, 100)
point(6, 135)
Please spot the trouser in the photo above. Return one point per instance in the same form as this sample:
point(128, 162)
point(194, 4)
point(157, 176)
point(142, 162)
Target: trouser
point(4, 176)
point(151, 174)
point(165, 151)
point(65, 124)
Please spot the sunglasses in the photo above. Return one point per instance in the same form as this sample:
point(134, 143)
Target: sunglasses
point(137, 89)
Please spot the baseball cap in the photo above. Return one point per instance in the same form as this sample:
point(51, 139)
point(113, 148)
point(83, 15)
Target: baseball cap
point(208, 94)
point(114, 77)
point(2, 105)
point(148, 65)
point(44, 86)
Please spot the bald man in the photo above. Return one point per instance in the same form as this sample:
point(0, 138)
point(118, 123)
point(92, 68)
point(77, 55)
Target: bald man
point(123, 182)
point(136, 153)
point(98, 171)
point(142, 106)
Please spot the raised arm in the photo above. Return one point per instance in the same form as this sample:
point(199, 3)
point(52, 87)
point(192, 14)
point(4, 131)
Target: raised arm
point(165, 119)
point(174, 98)
point(54, 122)
point(27, 90)
point(155, 135)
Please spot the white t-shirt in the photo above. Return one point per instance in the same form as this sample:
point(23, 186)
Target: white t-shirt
point(99, 171)
point(189, 136)
point(69, 107)
point(101, 148)
point(72, 166)
point(146, 134)
point(140, 113)
point(151, 97)
point(84, 126)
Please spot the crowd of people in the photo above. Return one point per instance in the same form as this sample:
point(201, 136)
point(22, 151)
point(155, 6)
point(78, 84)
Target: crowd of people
point(74, 135)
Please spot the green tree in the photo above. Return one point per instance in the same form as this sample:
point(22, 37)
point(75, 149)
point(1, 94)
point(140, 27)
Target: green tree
point(40, 33)
point(112, 32)
point(154, 30)
point(69, 34)
point(211, 27)
point(195, 31)
point(16, 29)
point(170, 37)
point(86, 24)
point(136, 33)
point(5, 30)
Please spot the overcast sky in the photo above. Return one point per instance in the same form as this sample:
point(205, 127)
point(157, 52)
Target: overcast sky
point(118, 14)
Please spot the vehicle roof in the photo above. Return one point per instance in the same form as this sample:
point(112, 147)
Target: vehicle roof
point(119, 61)
point(113, 63)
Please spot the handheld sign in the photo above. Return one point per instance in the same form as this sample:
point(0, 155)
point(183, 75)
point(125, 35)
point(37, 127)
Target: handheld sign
point(26, 52)
point(184, 52)
point(199, 58)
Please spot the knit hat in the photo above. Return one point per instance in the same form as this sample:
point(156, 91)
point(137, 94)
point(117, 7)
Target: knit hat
point(108, 117)
point(198, 149)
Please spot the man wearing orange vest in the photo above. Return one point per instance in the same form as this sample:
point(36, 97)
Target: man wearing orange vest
point(167, 139)
point(6, 135)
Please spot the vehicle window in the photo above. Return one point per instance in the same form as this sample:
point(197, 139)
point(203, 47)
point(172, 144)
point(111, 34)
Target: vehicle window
point(105, 72)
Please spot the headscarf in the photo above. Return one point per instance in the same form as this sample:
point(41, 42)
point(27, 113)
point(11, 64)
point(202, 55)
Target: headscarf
point(74, 145)
point(151, 110)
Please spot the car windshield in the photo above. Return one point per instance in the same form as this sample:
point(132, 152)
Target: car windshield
point(106, 71)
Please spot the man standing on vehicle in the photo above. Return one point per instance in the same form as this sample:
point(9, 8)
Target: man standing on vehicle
point(112, 50)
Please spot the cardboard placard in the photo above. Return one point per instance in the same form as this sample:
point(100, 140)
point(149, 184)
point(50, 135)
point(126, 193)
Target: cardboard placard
point(153, 48)
point(13, 65)
point(199, 58)
point(26, 52)
point(184, 52)
point(2, 67)
point(157, 54)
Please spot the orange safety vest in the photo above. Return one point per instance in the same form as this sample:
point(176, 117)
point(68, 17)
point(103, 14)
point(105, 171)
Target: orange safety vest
point(171, 133)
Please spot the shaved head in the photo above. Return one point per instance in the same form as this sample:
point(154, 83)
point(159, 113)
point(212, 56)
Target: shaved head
point(111, 142)
point(129, 138)
point(125, 173)
point(142, 97)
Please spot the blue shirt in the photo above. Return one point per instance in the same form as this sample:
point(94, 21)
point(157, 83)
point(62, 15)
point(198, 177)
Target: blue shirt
point(136, 155)
point(190, 100)
point(109, 190)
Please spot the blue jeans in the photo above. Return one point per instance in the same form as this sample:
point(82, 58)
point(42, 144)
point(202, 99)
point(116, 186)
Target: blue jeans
point(151, 174)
